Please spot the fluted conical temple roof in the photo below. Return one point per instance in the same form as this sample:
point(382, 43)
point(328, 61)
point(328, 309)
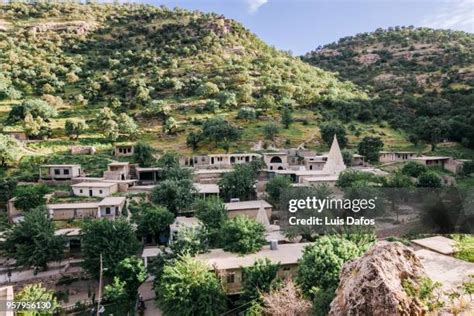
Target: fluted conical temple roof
point(335, 164)
point(262, 218)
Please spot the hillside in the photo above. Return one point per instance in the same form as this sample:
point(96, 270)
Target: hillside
point(157, 65)
point(423, 78)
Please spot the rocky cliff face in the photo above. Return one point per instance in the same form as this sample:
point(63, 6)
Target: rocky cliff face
point(372, 284)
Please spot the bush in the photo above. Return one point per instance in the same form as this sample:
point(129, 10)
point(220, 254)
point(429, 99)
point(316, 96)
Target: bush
point(243, 235)
point(247, 113)
point(429, 179)
point(413, 169)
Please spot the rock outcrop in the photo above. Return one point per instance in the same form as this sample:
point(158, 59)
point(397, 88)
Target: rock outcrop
point(372, 284)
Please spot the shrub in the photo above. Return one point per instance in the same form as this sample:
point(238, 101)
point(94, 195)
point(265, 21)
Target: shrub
point(413, 169)
point(243, 235)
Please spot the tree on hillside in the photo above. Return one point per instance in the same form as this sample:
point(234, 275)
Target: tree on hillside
point(29, 197)
point(115, 240)
point(9, 150)
point(270, 131)
point(127, 126)
point(32, 242)
point(213, 214)
point(227, 99)
point(35, 107)
point(143, 155)
point(429, 179)
point(219, 130)
point(208, 89)
point(370, 147)
point(153, 221)
point(239, 183)
point(74, 128)
point(176, 195)
point(243, 235)
point(431, 130)
point(328, 130)
point(247, 113)
point(187, 287)
point(107, 124)
point(413, 169)
point(286, 117)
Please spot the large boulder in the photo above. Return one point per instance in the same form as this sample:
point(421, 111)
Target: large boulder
point(372, 284)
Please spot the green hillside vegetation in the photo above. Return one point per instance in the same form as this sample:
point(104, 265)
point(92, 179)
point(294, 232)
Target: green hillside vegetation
point(422, 78)
point(115, 66)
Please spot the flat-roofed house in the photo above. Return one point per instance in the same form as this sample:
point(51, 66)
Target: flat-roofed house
point(228, 160)
point(358, 160)
point(72, 238)
point(98, 189)
point(315, 162)
point(209, 175)
point(111, 207)
point(392, 156)
point(229, 265)
point(66, 211)
point(432, 161)
point(117, 171)
point(276, 160)
point(124, 150)
point(147, 176)
point(248, 208)
point(182, 222)
point(206, 190)
point(59, 172)
point(456, 165)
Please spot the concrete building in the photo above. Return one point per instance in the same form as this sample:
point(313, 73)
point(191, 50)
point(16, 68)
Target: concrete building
point(148, 176)
point(181, 222)
point(229, 265)
point(276, 160)
point(248, 208)
point(393, 156)
point(432, 161)
point(97, 189)
point(59, 172)
point(228, 160)
point(315, 162)
point(117, 171)
point(206, 190)
point(111, 207)
point(124, 150)
point(67, 211)
point(72, 237)
point(209, 176)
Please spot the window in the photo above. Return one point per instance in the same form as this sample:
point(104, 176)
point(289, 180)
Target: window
point(100, 191)
point(80, 191)
point(57, 171)
point(107, 210)
point(286, 268)
point(231, 278)
point(66, 171)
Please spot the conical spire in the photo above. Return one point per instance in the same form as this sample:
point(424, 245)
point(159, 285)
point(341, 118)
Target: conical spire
point(335, 164)
point(262, 217)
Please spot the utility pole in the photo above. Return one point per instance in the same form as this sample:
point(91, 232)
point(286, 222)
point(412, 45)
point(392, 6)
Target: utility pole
point(100, 286)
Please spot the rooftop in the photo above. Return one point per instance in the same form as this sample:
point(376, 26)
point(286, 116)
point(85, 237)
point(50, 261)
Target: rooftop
point(68, 232)
point(119, 163)
point(60, 166)
point(67, 206)
point(112, 200)
point(234, 206)
point(151, 251)
point(206, 188)
point(431, 158)
point(94, 185)
point(285, 254)
point(185, 221)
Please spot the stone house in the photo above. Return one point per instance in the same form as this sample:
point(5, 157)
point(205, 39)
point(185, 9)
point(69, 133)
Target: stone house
point(97, 189)
point(248, 208)
point(60, 172)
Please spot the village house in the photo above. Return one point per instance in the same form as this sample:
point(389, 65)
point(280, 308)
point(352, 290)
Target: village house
point(111, 207)
point(204, 190)
point(276, 161)
point(148, 176)
point(149, 254)
point(393, 156)
point(448, 163)
point(58, 172)
point(67, 211)
point(218, 161)
point(248, 208)
point(124, 150)
point(97, 189)
point(229, 265)
point(72, 240)
point(209, 176)
point(182, 222)
point(315, 162)
point(358, 160)
point(117, 171)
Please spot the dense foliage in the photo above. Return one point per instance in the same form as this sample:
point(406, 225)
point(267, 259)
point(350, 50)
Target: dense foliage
point(243, 235)
point(421, 80)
